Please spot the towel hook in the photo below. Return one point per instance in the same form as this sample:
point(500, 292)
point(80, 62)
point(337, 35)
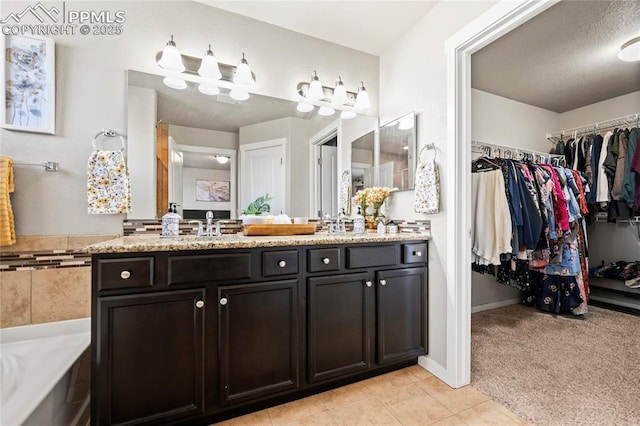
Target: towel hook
point(110, 134)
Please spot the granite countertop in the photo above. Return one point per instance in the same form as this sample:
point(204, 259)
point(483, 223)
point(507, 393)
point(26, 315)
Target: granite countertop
point(150, 243)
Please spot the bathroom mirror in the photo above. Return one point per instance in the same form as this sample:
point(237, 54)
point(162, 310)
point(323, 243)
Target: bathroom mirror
point(214, 126)
point(396, 161)
point(363, 162)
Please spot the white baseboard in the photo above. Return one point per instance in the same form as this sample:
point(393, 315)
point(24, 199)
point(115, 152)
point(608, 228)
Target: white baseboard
point(494, 305)
point(434, 368)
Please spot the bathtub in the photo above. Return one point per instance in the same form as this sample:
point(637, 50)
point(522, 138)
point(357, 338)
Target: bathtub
point(35, 370)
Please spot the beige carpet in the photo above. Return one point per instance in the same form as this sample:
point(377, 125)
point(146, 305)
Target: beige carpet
point(558, 370)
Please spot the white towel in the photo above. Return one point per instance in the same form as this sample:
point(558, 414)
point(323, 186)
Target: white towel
point(108, 187)
point(427, 188)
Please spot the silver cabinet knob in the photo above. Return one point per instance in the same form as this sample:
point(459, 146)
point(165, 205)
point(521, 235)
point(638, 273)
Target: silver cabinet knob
point(224, 301)
point(282, 264)
point(383, 282)
point(417, 253)
point(200, 304)
point(368, 283)
point(125, 275)
point(326, 260)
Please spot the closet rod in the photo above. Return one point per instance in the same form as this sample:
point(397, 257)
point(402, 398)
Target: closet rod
point(602, 125)
point(510, 152)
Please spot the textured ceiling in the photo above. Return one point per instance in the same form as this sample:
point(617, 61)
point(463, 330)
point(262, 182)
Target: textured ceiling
point(368, 26)
point(564, 58)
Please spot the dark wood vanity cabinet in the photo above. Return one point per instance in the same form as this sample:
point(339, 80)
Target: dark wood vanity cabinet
point(258, 339)
point(150, 352)
point(197, 336)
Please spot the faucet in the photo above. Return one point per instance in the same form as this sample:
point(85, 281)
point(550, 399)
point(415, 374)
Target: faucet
point(210, 232)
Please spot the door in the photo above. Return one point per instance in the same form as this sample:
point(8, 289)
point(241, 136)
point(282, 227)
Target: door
point(401, 314)
point(176, 163)
point(338, 325)
point(152, 368)
point(262, 169)
point(258, 339)
point(386, 174)
point(329, 180)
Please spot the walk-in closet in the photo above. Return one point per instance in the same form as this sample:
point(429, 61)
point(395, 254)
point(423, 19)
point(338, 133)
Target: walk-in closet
point(556, 215)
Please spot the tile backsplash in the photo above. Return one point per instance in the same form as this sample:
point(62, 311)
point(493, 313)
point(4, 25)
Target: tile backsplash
point(46, 278)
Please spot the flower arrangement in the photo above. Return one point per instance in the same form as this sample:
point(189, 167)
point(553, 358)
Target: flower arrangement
point(371, 199)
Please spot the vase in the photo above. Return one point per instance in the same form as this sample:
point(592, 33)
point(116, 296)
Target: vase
point(371, 221)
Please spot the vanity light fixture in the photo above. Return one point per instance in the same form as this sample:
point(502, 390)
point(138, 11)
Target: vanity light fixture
point(206, 72)
point(330, 99)
point(243, 75)
point(222, 159)
point(171, 59)
point(315, 92)
point(405, 123)
point(362, 99)
point(630, 51)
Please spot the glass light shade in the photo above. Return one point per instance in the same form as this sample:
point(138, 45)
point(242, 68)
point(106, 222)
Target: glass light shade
point(239, 94)
point(326, 111)
point(222, 159)
point(347, 115)
point(340, 93)
point(243, 75)
point(175, 82)
point(209, 66)
point(630, 51)
point(208, 89)
point(171, 60)
point(304, 107)
point(315, 91)
point(362, 99)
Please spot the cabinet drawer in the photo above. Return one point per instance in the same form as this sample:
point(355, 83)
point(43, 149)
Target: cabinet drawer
point(320, 260)
point(415, 253)
point(208, 268)
point(281, 262)
point(379, 255)
point(125, 273)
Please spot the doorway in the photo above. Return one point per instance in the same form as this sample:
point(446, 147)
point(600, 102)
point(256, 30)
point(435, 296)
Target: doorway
point(495, 23)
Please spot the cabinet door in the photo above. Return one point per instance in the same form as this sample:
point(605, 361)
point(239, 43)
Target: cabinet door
point(149, 358)
point(338, 325)
point(401, 314)
point(258, 339)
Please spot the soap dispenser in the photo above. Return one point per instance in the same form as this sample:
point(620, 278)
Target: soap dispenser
point(171, 222)
point(358, 222)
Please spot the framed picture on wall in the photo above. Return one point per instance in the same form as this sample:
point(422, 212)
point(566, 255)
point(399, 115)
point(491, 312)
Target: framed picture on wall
point(212, 190)
point(28, 71)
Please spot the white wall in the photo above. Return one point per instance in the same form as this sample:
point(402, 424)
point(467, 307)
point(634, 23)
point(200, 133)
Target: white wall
point(505, 122)
point(600, 111)
point(413, 77)
point(91, 93)
point(203, 137)
point(189, 177)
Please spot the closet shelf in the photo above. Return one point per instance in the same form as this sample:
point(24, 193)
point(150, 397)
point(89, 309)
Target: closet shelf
point(630, 119)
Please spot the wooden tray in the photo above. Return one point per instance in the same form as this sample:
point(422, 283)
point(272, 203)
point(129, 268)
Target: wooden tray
point(284, 229)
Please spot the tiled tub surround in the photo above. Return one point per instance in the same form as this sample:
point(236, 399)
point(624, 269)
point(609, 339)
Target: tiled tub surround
point(45, 279)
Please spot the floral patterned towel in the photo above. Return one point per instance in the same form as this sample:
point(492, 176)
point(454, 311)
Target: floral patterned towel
point(108, 187)
point(427, 188)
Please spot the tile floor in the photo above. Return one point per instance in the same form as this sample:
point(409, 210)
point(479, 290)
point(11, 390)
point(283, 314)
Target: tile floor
point(411, 396)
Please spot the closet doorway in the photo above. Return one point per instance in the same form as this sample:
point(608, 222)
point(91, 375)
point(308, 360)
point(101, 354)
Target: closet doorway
point(466, 102)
